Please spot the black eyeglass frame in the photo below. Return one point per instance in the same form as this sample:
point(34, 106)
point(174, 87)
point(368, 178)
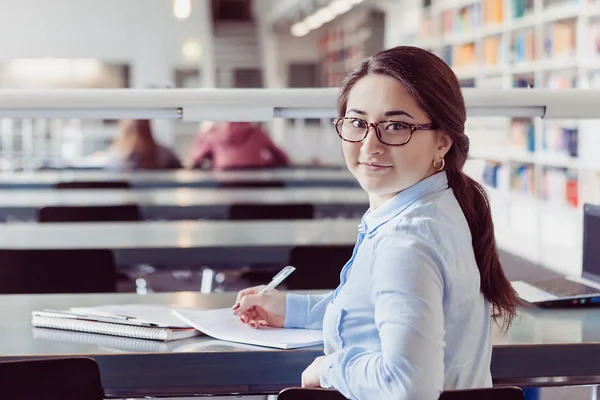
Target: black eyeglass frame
point(375, 125)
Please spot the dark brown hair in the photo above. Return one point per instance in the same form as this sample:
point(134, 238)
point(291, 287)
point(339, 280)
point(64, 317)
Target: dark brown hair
point(135, 141)
point(437, 91)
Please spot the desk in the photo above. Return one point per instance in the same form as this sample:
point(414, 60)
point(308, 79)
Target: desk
point(180, 178)
point(537, 346)
point(183, 243)
point(182, 203)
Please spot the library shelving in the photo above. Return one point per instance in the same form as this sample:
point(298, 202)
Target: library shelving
point(538, 173)
point(345, 42)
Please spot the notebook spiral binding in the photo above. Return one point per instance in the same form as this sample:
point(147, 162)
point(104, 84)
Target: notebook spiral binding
point(105, 328)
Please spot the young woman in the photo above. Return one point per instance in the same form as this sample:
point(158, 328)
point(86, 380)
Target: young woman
point(135, 149)
point(412, 314)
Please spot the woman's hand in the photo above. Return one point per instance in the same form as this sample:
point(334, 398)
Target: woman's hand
point(260, 310)
point(310, 376)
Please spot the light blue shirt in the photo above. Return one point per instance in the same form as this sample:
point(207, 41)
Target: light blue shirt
point(408, 319)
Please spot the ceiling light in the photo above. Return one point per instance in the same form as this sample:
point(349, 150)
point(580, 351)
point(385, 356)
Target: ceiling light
point(325, 15)
point(313, 21)
point(182, 8)
point(299, 29)
point(192, 50)
point(340, 6)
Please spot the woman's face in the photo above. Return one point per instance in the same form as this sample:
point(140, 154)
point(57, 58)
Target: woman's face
point(382, 170)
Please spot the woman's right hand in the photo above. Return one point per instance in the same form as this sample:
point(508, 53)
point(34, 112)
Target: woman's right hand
point(260, 310)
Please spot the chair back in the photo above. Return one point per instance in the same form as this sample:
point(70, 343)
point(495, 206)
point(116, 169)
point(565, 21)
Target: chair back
point(69, 378)
point(118, 213)
point(93, 185)
point(250, 211)
point(317, 267)
point(499, 393)
point(57, 271)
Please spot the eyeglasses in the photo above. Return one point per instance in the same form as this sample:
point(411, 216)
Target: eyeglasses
point(391, 133)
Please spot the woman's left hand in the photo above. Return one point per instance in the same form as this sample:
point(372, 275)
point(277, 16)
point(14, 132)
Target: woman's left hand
point(310, 376)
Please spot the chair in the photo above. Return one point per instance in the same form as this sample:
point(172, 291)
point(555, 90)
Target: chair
point(499, 393)
point(317, 267)
point(69, 378)
point(260, 273)
point(119, 213)
point(57, 271)
point(93, 185)
point(250, 211)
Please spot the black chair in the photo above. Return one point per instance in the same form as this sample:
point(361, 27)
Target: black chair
point(69, 378)
point(57, 271)
point(317, 267)
point(93, 185)
point(250, 211)
point(251, 184)
point(499, 393)
point(120, 213)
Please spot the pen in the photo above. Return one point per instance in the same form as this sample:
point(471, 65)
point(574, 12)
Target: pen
point(277, 279)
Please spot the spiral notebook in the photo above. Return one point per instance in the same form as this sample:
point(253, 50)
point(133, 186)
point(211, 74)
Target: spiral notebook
point(132, 321)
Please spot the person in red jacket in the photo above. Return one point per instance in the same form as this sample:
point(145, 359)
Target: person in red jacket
point(236, 145)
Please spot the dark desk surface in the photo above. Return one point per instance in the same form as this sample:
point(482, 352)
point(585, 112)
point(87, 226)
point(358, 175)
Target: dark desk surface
point(542, 348)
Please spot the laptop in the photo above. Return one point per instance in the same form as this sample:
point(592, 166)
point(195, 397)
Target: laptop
point(583, 291)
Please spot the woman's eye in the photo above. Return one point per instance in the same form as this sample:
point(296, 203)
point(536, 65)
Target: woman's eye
point(396, 126)
point(358, 123)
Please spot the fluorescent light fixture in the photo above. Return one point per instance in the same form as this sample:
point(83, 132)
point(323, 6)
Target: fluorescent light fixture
point(182, 8)
point(299, 29)
point(325, 15)
point(340, 6)
point(313, 21)
point(96, 113)
point(265, 104)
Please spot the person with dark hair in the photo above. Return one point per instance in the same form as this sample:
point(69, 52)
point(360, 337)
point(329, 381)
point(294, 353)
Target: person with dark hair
point(412, 314)
point(135, 148)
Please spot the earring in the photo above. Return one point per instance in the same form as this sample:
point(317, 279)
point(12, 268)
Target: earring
point(441, 165)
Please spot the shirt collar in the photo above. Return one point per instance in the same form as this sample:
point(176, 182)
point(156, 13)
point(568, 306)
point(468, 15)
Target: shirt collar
point(373, 219)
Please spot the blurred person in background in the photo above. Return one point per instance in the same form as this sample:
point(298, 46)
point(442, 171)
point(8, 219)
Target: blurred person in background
point(135, 149)
point(235, 145)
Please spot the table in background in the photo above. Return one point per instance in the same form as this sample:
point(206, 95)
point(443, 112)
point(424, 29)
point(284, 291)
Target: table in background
point(181, 178)
point(184, 203)
point(184, 243)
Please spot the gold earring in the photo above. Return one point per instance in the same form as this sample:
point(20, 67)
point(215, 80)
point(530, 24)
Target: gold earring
point(441, 166)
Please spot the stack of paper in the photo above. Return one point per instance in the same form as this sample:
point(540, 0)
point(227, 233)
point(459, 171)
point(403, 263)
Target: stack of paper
point(221, 324)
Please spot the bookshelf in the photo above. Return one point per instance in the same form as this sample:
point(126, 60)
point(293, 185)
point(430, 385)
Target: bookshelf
point(347, 41)
point(538, 173)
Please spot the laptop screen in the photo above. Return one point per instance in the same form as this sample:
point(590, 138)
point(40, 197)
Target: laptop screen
point(591, 242)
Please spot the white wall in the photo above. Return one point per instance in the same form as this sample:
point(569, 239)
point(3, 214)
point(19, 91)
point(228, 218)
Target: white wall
point(295, 50)
point(143, 33)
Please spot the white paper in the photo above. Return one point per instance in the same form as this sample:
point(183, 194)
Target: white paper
point(221, 324)
point(161, 315)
